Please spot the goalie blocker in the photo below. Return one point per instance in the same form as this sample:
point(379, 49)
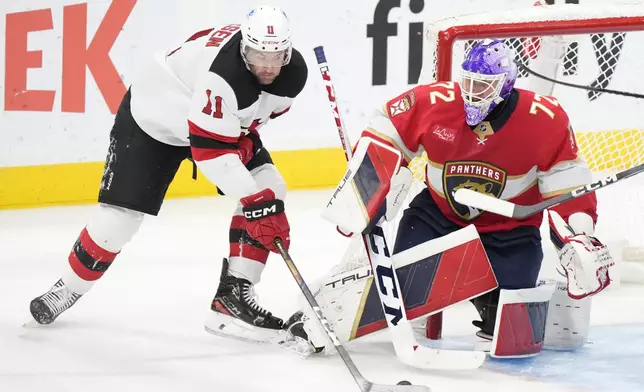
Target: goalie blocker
point(375, 185)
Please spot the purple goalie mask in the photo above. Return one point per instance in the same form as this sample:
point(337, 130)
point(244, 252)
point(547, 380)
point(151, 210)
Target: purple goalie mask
point(487, 78)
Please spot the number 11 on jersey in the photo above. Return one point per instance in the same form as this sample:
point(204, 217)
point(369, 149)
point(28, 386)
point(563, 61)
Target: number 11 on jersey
point(217, 113)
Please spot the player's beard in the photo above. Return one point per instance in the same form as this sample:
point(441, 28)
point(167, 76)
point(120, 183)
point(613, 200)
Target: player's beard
point(265, 77)
point(268, 79)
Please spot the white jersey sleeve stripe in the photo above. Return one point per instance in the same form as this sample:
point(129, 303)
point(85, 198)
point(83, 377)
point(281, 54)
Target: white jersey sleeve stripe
point(230, 175)
point(381, 126)
point(564, 176)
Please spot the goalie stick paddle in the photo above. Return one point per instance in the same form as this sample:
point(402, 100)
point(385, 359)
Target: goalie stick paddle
point(364, 384)
point(408, 350)
point(511, 210)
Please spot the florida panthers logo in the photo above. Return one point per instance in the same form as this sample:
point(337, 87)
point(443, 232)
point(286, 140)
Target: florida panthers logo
point(477, 176)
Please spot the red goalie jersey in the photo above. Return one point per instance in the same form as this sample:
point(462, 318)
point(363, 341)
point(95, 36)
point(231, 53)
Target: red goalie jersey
point(524, 152)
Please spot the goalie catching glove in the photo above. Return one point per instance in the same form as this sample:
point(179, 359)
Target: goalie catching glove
point(375, 185)
point(584, 258)
point(265, 219)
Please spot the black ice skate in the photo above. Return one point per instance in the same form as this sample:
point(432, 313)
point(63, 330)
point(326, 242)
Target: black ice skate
point(50, 305)
point(486, 305)
point(486, 330)
point(236, 314)
point(235, 297)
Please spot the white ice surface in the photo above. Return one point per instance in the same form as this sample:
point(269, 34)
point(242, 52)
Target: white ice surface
point(141, 327)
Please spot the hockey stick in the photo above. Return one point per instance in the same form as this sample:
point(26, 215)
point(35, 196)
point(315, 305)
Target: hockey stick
point(511, 210)
point(326, 76)
point(408, 350)
point(579, 86)
point(364, 384)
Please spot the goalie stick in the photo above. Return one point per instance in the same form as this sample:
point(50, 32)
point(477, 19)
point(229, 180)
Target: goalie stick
point(503, 207)
point(364, 384)
point(407, 348)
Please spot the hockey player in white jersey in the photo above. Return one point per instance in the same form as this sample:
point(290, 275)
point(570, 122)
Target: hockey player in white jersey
point(204, 100)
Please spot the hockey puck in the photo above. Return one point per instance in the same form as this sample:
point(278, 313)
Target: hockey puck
point(403, 382)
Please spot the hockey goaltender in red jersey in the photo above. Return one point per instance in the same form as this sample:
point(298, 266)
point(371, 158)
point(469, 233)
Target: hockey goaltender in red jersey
point(488, 136)
point(205, 99)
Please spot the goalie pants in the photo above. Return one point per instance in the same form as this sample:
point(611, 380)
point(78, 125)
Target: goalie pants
point(515, 255)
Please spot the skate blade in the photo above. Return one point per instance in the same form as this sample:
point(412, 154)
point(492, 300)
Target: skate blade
point(31, 323)
point(222, 325)
point(245, 339)
point(299, 348)
point(28, 329)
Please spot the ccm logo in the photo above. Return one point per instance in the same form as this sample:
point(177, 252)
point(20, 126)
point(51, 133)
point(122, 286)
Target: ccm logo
point(261, 212)
point(594, 186)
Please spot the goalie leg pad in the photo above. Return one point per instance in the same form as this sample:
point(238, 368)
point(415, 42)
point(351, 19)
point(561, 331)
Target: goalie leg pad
point(342, 299)
point(360, 198)
point(521, 322)
point(568, 320)
point(449, 263)
point(432, 275)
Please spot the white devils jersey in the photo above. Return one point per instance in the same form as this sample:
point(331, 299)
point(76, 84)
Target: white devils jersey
point(202, 91)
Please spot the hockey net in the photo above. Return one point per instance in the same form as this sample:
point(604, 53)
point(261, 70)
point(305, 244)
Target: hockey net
point(587, 46)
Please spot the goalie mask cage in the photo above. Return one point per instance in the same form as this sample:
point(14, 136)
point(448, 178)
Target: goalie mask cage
point(598, 46)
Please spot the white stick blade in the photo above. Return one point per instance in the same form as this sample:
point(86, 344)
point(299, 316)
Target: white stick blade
point(484, 202)
point(398, 388)
point(430, 358)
